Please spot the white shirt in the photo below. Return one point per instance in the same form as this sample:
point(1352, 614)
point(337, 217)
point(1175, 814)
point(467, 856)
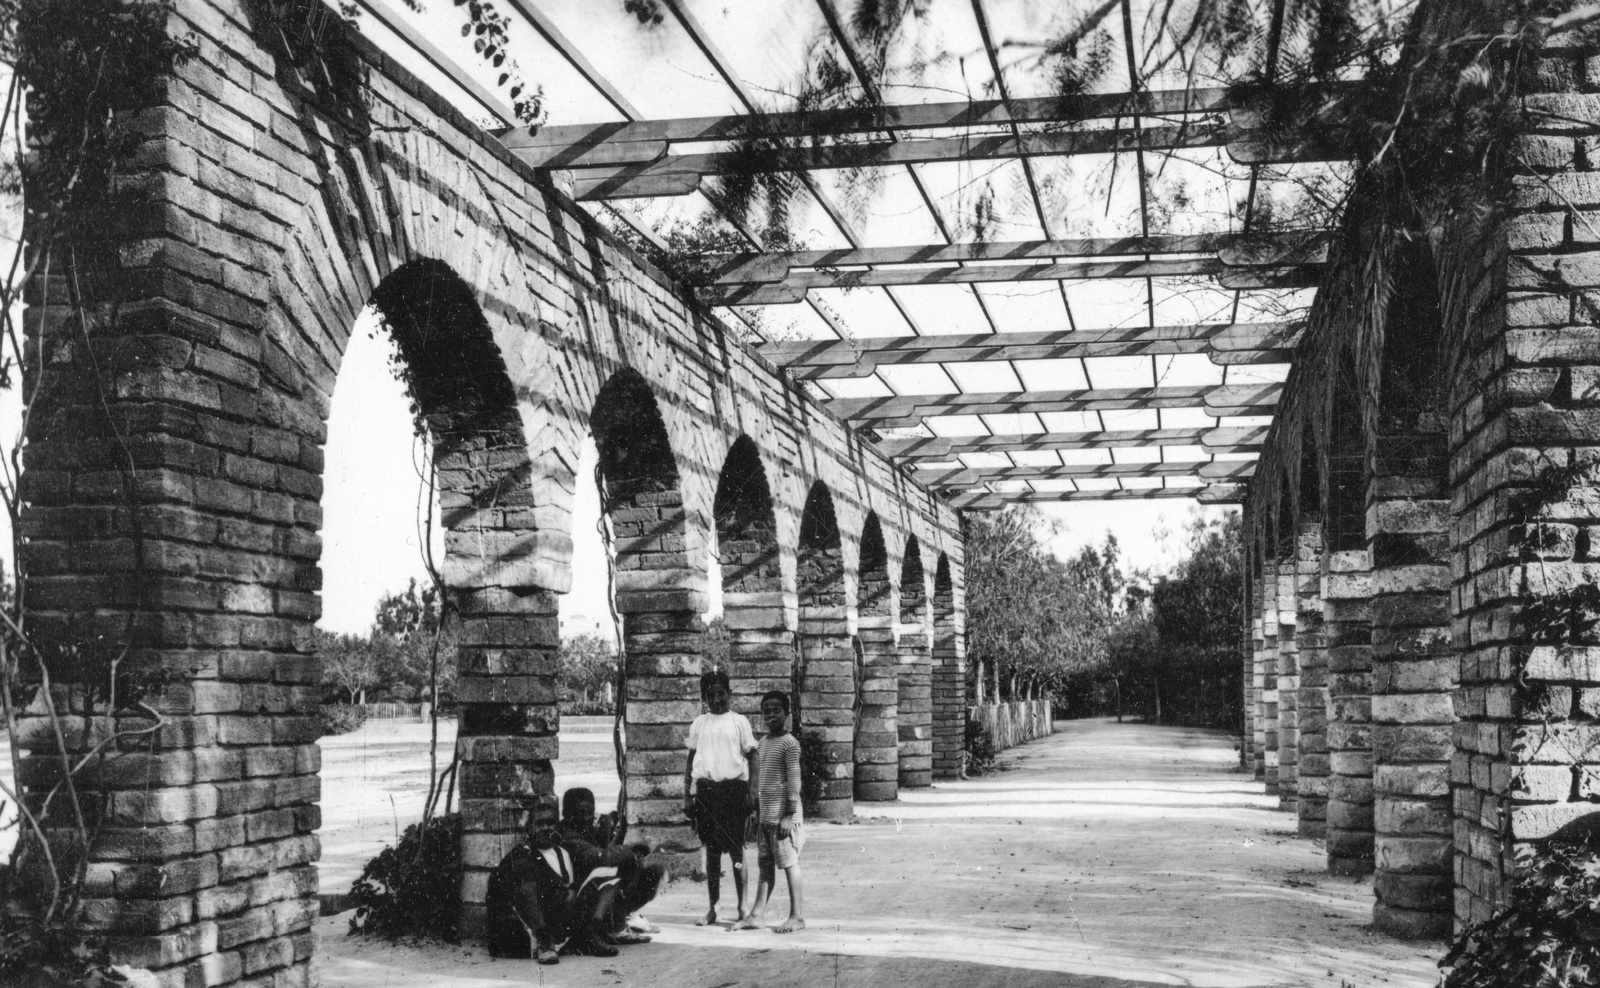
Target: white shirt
point(720, 743)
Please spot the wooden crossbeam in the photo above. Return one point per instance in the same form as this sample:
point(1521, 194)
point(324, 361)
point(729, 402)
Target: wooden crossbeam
point(973, 476)
point(1215, 440)
point(1228, 276)
point(1237, 249)
point(989, 501)
point(1231, 342)
point(556, 142)
point(672, 171)
point(1217, 400)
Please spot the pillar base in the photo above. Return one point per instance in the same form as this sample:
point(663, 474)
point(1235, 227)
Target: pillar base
point(1410, 924)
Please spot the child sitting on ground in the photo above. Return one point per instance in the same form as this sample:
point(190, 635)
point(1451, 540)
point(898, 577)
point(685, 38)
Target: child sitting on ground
point(716, 781)
point(782, 833)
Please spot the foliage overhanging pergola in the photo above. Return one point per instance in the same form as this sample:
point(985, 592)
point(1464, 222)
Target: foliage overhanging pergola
point(1131, 345)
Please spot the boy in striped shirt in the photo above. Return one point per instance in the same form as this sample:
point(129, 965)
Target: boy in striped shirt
point(782, 832)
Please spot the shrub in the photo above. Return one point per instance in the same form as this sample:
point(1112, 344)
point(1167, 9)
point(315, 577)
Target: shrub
point(413, 889)
point(979, 748)
point(588, 708)
point(340, 718)
point(1549, 937)
point(813, 769)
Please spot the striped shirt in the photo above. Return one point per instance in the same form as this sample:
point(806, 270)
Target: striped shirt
point(778, 788)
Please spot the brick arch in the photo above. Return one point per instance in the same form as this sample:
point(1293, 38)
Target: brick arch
point(876, 755)
point(761, 647)
point(825, 663)
point(915, 672)
point(509, 631)
point(657, 596)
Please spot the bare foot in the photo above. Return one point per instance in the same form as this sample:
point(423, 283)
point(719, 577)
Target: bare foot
point(791, 925)
point(708, 919)
point(750, 922)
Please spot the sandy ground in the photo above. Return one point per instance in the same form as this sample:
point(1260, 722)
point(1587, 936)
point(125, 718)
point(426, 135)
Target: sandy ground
point(375, 779)
point(1107, 855)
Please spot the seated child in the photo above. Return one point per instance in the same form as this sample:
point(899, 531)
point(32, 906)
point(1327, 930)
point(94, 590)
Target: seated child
point(538, 904)
point(782, 832)
point(626, 883)
point(716, 781)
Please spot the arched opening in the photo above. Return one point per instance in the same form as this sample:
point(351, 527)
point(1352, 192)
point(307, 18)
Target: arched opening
point(824, 672)
point(876, 738)
point(496, 587)
point(760, 645)
point(914, 672)
point(949, 674)
point(660, 597)
point(1414, 667)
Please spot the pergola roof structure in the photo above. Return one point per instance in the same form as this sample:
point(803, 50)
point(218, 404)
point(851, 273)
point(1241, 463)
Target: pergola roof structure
point(1112, 327)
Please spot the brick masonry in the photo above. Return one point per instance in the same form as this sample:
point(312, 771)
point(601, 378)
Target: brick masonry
point(272, 213)
point(1464, 723)
point(1312, 758)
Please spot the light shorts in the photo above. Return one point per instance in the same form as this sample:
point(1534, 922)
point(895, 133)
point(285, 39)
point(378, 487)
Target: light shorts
point(782, 851)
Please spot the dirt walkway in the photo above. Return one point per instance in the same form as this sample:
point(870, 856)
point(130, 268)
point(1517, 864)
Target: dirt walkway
point(1107, 855)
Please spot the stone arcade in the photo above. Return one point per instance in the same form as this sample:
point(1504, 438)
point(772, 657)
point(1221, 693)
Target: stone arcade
point(1421, 513)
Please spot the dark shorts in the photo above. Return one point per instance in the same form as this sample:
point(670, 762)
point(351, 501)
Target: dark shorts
point(719, 812)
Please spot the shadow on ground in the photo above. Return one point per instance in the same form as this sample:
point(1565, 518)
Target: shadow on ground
point(1108, 855)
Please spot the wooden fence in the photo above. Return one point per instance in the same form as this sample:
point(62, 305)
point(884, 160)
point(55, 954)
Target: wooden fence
point(1014, 723)
point(395, 711)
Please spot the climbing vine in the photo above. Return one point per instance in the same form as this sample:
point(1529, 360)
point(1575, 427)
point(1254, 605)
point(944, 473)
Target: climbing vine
point(79, 72)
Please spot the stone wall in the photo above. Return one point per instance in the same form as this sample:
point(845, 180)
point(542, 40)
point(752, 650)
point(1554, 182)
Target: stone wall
point(174, 470)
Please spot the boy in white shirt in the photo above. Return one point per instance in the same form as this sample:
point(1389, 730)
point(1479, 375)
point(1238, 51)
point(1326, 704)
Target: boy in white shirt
point(717, 794)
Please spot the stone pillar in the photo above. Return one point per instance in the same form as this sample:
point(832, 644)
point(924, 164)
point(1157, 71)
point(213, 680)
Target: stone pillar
point(1258, 679)
point(1312, 709)
point(877, 735)
point(1526, 518)
point(1413, 675)
point(1288, 679)
point(914, 672)
point(1269, 674)
point(827, 699)
point(507, 736)
point(661, 641)
point(1347, 628)
point(760, 650)
point(949, 687)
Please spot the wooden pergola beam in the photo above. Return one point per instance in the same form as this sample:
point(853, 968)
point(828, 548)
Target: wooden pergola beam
point(1228, 276)
point(973, 476)
point(1217, 400)
point(1232, 342)
point(990, 501)
point(661, 174)
point(554, 142)
point(1237, 249)
point(1215, 440)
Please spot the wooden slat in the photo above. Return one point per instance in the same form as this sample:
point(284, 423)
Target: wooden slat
point(795, 287)
point(1253, 399)
point(971, 476)
point(980, 501)
point(861, 357)
point(871, 120)
point(632, 180)
point(939, 448)
point(1232, 249)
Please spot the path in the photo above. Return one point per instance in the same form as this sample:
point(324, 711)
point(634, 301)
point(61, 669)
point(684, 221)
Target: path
point(1108, 855)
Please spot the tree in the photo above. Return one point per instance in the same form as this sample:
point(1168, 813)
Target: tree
point(1032, 622)
point(1198, 617)
point(349, 663)
point(417, 643)
point(587, 664)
